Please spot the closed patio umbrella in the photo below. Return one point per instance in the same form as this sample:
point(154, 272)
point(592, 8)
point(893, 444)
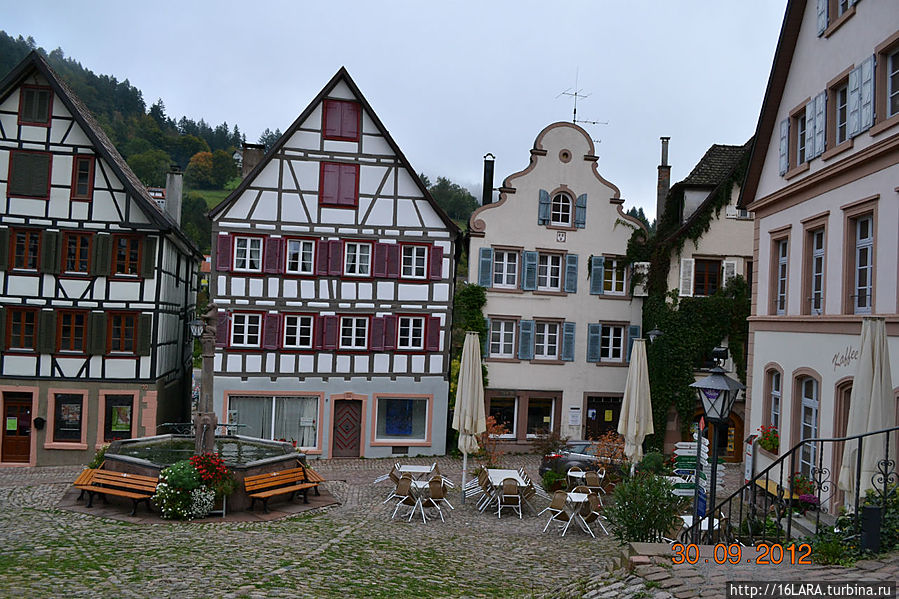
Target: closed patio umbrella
point(635, 421)
point(469, 418)
point(871, 407)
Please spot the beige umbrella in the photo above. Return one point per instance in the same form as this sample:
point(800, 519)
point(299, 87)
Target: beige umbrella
point(469, 418)
point(635, 421)
point(871, 407)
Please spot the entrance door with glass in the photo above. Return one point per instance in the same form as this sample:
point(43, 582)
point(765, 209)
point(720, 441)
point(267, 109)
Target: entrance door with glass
point(16, 445)
point(602, 415)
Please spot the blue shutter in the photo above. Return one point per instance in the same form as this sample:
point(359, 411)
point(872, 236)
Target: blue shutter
point(580, 211)
point(529, 272)
point(820, 122)
point(485, 341)
point(822, 17)
point(543, 208)
point(853, 102)
point(810, 130)
point(597, 264)
point(866, 100)
point(571, 273)
point(568, 329)
point(633, 332)
point(784, 146)
point(526, 340)
point(594, 339)
point(485, 267)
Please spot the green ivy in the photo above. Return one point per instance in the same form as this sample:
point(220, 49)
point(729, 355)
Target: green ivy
point(467, 316)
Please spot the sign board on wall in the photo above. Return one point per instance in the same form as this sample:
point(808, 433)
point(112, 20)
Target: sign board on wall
point(574, 416)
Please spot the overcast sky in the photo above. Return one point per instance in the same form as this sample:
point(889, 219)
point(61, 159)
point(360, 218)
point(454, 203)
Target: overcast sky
point(451, 80)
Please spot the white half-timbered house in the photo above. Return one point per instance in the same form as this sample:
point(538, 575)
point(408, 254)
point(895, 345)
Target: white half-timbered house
point(96, 283)
point(561, 313)
point(333, 273)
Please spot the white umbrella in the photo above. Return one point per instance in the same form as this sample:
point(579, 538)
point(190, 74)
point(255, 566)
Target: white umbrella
point(871, 406)
point(469, 418)
point(635, 421)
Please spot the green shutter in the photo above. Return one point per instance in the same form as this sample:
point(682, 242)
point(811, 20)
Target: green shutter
point(29, 174)
point(46, 332)
point(148, 259)
point(4, 249)
point(96, 344)
point(101, 257)
point(144, 333)
point(594, 340)
point(50, 252)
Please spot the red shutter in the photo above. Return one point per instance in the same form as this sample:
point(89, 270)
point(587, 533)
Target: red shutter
point(335, 257)
point(390, 332)
point(349, 122)
point(349, 185)
point(318, 330)
point(272, 258)
point(322, 254)
point(377, 334)
point(271, 328)
point(436, 262)
point(379, 268)
point(393, 261)
point(332, 115)
point(432, 343)
point(330, 334)
point(329, 183)
point(223, 253)
point(221, 330)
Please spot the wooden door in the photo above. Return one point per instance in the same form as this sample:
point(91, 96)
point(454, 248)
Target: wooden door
point(347, 428)
point(602, 416)
point(16, 427)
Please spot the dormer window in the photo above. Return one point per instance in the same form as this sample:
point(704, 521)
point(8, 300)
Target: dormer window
point(34, 105)
point(560, 212)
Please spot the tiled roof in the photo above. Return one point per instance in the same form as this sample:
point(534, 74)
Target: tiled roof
point(717, 164)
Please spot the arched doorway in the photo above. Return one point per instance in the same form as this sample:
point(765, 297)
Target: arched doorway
point(730, 442)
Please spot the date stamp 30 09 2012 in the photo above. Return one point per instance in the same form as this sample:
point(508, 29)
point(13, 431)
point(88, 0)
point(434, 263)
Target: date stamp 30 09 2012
point(764, 554)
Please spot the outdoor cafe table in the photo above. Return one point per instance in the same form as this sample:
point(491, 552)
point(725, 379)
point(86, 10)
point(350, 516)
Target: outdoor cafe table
point(573, 507)
point(414, 470)
point(497, 476)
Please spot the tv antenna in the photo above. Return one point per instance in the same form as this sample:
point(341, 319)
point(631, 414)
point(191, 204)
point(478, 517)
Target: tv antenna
point(578, 93)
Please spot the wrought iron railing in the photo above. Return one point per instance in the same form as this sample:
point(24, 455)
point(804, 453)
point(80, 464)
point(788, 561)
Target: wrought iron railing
point(764, 509)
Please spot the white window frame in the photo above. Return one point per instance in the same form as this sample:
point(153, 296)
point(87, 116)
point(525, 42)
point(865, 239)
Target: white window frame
point(892, 64)
point(358, 335)
point(245, 250)
point(304, 247)
point(841, 96)
point(561, 210)
point(505, 269)
point(549, 272)
point(406, 337)
point(809, 404)
point(817, 268)
point(360, 265)
point(552, 417)
point(864, 247)
point(502, 333)
point(546, 340)
point(802, 153)
point(783, 257)
point(614, 274)
point(776, 397)
point(512, 434)
point(295, 326)
point(414, 269)
point(242, 327)
point(611, 341)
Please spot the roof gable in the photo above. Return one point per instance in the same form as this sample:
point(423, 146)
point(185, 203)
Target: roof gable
point(341, 86)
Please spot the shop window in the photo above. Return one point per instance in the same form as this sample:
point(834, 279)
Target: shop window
point(505, 413)
point(402, 419)
point(119, 412)
point(67, 417)
point(540, 416)
point(291, 418)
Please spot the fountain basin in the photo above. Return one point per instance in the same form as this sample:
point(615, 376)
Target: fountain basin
point(244, 456)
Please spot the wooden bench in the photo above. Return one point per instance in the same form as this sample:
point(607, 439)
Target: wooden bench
point(135, 487)
point(314, 477)
point(264, 486)
point(83, 480)
point(775, 489)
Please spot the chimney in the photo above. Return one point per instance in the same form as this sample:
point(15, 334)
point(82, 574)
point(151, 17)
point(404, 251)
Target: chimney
point(173, 183)
point(252, 154)
point(487, 192)
point(664, 183)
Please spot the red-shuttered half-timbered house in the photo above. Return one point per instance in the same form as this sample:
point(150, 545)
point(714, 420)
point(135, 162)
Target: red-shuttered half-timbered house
point(333, 274)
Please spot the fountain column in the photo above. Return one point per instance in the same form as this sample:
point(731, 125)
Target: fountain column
point(205, 421)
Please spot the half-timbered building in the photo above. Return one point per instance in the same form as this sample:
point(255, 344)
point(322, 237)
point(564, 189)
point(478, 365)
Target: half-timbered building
point(333, 274)
point(96, 283)
point(561, 311)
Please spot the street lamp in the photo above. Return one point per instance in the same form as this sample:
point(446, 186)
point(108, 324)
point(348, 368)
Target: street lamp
point(653, 335)
point(205, 422)
point(717, 393)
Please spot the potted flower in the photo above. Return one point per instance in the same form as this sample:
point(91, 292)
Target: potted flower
point(807, 502)
point(214, 474)
point(769, 439)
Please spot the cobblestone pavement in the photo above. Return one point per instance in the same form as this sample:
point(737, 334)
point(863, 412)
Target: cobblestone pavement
point(351, 550)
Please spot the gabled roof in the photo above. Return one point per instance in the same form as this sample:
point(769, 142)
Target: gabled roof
point(714, 166)
point(102, 144)
point(341, 75)
point(780, 68)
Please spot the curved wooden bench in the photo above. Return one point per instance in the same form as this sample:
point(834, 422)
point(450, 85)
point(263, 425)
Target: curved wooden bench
point(265, 486)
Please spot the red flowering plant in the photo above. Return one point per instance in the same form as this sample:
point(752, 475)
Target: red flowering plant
point(213, 473)
point(769, 440)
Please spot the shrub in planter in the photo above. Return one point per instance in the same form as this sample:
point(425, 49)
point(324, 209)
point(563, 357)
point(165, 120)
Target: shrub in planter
point(644, 510)
point(769, 439)
point(213, 473)
point(174, 496)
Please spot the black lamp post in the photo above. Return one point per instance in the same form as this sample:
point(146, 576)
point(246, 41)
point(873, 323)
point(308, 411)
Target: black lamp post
point(205, 422)
point(717, 393)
